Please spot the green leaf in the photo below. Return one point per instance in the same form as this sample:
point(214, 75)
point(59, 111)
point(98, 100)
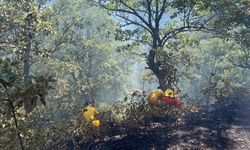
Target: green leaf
point(6, 77)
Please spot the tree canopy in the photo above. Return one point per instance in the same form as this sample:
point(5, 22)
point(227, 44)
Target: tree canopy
point(58, 55)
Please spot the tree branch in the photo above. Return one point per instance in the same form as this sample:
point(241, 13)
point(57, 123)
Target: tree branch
point(149, 12)
point(130, 22)
point(136, 14)
point(173, 33)
point(162, 10)
point(156, 9)
point(17, 130)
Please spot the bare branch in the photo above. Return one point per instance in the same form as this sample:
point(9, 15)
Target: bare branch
point(149, 12)
point(134, 22)
point(173, 33)
point(136, 14)
point(162, 10)
point(156, 9)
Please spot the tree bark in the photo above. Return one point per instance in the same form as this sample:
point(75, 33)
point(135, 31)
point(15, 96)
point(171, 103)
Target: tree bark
point(27, 49)
point(155, 68)
point(26, 68)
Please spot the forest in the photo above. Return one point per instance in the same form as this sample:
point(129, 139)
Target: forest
point(124, 74)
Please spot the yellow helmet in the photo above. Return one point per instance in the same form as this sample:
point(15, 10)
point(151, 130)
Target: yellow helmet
point(96, 123)
point(154, 96)
point(169, 93)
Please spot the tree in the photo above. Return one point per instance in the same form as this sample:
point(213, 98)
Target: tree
point(23, 24)
point(160, 21)
point(232, 22)
point(83, 54)
point(15, 94)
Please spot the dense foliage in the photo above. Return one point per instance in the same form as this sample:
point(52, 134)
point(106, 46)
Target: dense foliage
point(55, 55)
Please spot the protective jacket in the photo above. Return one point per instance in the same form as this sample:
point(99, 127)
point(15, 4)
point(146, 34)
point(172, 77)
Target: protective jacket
point(154, 96)
point(89, 114)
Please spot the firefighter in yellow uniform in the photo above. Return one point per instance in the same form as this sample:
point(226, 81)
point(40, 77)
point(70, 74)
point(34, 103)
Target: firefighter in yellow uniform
point(169, 97)
point(89, 113)
point(155, 96)
point(90, 121)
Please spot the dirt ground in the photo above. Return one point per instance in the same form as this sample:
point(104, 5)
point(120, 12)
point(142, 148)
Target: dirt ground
point(215, 127)
point(218, 126)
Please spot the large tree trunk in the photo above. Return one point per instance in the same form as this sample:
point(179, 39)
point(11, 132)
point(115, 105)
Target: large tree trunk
point(27, 49)
point(155, 68)
point(164, 79)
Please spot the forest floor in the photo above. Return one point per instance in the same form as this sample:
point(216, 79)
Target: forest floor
point(215, 127)
point(219, 126)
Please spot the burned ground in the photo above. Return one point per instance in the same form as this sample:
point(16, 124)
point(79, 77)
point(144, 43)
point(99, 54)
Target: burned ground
point(222, 125)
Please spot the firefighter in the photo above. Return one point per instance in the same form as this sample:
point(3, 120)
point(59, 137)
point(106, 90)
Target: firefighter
point(155, 96)
point(171, 99)
point(89, 114)
point(169, 96)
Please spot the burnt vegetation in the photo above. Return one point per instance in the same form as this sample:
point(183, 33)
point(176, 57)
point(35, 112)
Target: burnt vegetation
point(63, 61)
